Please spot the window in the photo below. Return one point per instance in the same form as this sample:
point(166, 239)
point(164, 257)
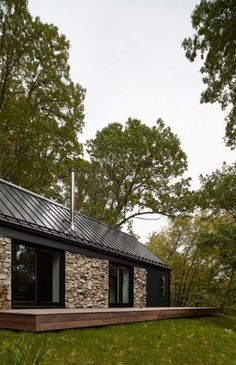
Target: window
point(162, 285)
point(37, 276)
point(120, 285)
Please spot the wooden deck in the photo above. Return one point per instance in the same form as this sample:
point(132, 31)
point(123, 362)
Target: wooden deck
point(37, 320)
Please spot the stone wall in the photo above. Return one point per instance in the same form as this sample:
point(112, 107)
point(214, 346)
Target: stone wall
point(140, 294)
point(5, 273)
point(86, 281)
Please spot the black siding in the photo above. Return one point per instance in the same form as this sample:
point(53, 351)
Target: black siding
point(154, 298)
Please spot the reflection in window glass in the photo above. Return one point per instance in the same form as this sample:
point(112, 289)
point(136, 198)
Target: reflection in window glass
point(36, 276)
point(113, 284)
point(49, 276)
point(24, 273)
point(124, 273)
point(163, 285)
point(55, 277)
point(119, 284)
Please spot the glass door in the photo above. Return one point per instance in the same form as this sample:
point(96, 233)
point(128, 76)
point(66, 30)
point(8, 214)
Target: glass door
point(24, 274)
point(37, 276)
point(120, 286)
point(49, 277)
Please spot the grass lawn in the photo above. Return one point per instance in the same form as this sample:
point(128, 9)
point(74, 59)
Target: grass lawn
point(207, 340)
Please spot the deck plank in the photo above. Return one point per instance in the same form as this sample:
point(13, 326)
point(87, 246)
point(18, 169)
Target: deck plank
point(36, 320)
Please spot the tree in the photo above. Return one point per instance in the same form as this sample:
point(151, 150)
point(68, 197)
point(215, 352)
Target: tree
point(134, 170)
point(41, 109)
point(218, 199)
point(200, 277)
point(218, 191)
point(215, 41)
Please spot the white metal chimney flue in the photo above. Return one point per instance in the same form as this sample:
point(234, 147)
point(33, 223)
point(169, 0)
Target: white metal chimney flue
point(72, 199)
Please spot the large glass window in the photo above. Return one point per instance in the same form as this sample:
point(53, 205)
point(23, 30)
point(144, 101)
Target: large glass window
point(37, 276)
point(120, 285)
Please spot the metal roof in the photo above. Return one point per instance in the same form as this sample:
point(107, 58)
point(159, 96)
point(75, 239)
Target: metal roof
point(29, 211)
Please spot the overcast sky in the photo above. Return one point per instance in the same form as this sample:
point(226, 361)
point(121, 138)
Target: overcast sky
point(128, 55)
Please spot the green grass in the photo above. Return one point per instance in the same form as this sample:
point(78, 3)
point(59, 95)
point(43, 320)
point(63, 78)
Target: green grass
point(209, 340)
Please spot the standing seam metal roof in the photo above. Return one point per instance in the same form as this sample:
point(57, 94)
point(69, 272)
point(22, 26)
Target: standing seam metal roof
point(27, 210)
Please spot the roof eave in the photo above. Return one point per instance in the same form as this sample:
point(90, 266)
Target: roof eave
point(78, 241)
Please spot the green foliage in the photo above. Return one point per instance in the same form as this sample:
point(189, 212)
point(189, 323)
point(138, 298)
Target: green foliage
point(24, 351)
point(218, 198)
point(215, 41)
point(41, 109)
point(134, 170)
point(218, 191)
point(203, 269)
point(211, 340)
point(222, 235)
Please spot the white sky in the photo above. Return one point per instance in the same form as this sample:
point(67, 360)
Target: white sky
point(128, 55)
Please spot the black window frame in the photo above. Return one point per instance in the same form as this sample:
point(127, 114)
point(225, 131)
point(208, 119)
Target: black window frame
point(131, 286)
point(37, 303)
point(162, 286)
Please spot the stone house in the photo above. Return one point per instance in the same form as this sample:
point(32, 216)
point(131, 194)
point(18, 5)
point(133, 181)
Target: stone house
point(45, 263)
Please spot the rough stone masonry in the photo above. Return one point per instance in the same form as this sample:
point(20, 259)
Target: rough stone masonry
point(140, 292)
point(5, 273)
point(87, 283)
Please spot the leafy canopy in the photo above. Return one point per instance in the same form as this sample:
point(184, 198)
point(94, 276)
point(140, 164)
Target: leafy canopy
point(218, 198)
point(41, 109)
point(202, 250)
point(134, 170)
point(203, 273)
point(214, 22)
point(218, 191)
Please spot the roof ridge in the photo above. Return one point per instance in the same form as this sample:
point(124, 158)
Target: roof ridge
point(64, 206)
point(32, 193)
